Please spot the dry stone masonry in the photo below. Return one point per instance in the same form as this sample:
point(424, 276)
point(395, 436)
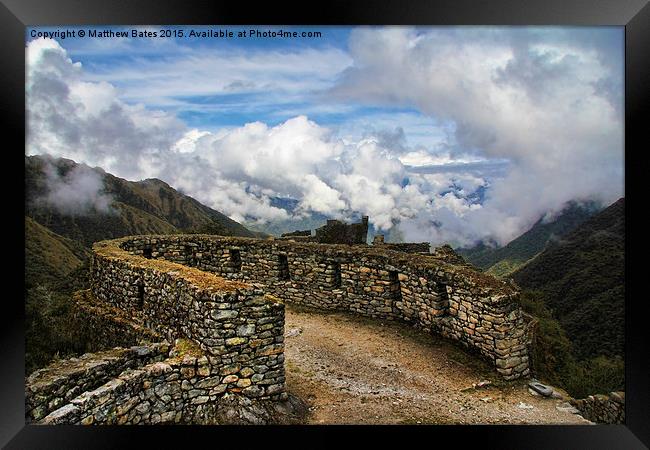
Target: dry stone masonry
point(337, 232)
point(475, 309)
point(602, 408)
point(181, 388)
point(408, 247)
point(99, 326)
point(56, 385)
point(334, 232)
point(220, 301)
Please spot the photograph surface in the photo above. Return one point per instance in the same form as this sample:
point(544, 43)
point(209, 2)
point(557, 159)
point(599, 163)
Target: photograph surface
point(324, 225)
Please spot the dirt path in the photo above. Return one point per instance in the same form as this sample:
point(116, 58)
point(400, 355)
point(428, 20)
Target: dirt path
point(352, 370)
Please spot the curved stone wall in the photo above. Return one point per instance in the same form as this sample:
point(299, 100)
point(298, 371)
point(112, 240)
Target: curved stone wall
point(229, 339)
point(97, 326)
point(218, 299)
point(150, 384)
point(455, 301)
point(234, 323)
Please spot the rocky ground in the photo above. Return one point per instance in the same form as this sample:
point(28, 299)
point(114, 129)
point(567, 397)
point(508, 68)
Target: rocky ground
point(352, 370)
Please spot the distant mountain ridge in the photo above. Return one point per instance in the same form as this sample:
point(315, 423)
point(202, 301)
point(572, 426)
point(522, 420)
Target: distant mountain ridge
point(142, 207)
point(501, 261)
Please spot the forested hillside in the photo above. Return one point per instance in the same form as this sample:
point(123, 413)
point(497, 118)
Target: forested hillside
point(501, 261)
point(576, 287)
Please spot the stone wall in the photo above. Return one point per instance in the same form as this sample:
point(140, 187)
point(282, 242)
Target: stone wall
point(297, 238)
point(49, 388)
point(237, 326)
point(408, 247)
point(337, 232)
point(218, 299)
point(301, 233)
point(230, 335)
point(457, 302)
point(446, 253)
point(98, 326)
point(123, 386)
point(602, 408)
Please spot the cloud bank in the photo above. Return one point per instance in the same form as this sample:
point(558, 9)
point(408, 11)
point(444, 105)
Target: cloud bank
point(77, 192)
point(532, 97)
point(532, 119)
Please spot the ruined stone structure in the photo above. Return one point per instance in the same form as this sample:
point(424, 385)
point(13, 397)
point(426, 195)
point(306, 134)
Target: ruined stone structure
point(602, 408)
point(220, 301)
point(337, 232)
point(333, 232)
point(408, 247)
point(448, 254)
point(229, 339)
point(301, 233)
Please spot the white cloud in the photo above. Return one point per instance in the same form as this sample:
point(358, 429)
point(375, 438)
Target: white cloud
point(423, 157)
point(86, 121)
point(78, 191)
point(188, 142)
point(234, 171)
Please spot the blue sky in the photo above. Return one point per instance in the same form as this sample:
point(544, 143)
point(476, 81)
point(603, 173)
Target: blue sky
point(532, 116)
point(132, 65)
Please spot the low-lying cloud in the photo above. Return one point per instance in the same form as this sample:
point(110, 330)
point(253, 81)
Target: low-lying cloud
point(78, 192)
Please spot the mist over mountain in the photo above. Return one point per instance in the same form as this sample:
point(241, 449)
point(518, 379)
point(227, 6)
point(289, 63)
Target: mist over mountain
point(443, 133)
point(507, 136)
point(304, 221)
point(570, 268)
point(311, 221)
point(568, 264)
point(88, 204)
point(501, 261)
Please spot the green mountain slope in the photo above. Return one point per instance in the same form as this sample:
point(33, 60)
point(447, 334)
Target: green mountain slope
point(504, 260)
point(48, 256)
point(55, 266)
point(161, 200)
point(144, 207)
point(97, 226)
point(582, 279)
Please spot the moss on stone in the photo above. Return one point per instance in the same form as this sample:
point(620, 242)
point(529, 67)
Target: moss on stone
point(201, 279)
point(184, 347)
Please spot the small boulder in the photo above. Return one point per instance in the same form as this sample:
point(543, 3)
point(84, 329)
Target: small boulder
point(540, 388)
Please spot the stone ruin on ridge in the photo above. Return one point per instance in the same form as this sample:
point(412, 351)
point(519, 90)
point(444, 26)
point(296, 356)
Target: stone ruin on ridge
point(200, 321)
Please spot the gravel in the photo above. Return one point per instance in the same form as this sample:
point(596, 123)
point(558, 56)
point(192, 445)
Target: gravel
point(352, 370)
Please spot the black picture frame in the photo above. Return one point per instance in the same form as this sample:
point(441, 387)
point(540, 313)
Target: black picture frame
point(634, 15)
